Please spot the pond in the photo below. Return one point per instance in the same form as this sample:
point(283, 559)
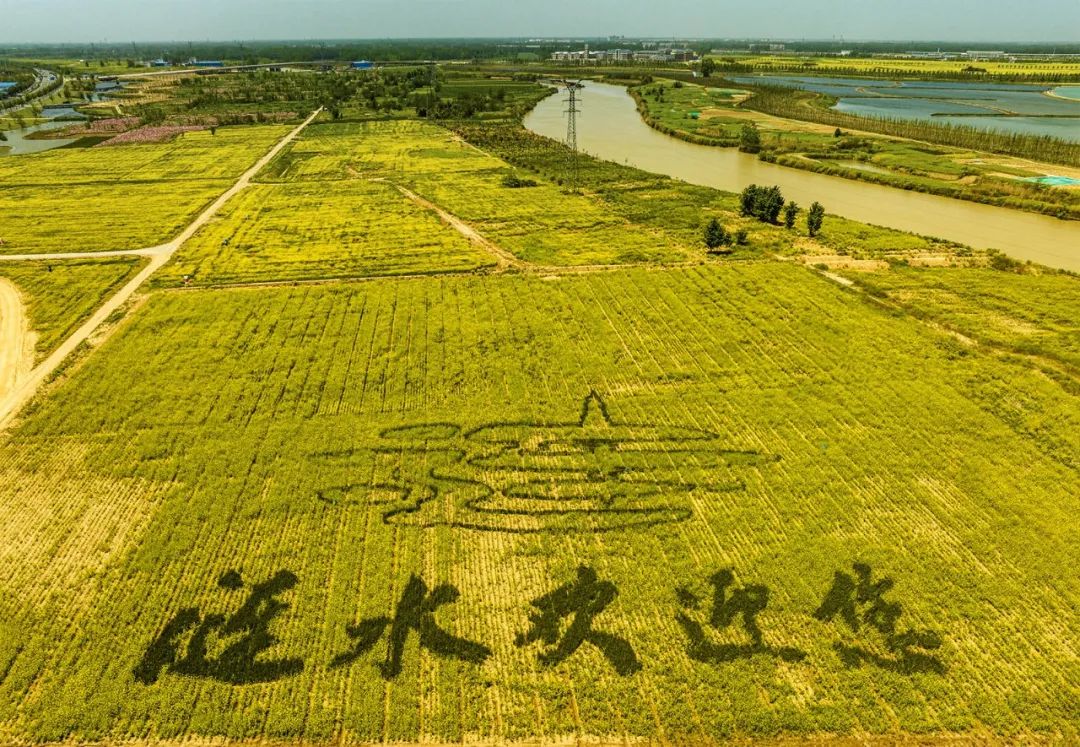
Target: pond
point(610, 127)
point(20, 144)
point(1000, 107)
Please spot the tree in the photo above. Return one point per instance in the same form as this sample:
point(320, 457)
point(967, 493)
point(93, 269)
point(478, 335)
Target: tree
point(750, 139)
point(708, 67)
point(838, 133)
point(770, 203)
point(748, 199)
point(716, 235)
point(791, 211)
point(815, 218)
point(764, 203)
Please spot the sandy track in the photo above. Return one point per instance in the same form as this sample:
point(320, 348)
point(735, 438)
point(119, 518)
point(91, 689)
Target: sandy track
point(16, 340)
point(153, 251)
point(14, 400)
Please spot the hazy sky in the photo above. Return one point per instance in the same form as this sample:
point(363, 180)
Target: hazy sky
point(127, 20)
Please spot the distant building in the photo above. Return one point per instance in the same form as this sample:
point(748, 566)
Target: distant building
point(983, 55)
point(158, 63)
point(363, 65)
point(624, 55)
point(578, 56)
point(207, 63)
point(613, 55)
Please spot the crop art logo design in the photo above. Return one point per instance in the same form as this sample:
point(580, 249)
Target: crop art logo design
point(586, 475)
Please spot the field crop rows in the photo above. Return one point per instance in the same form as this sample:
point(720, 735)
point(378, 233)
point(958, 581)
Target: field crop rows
point(305, 461)
point(322, 230)
point(127, 198)
point(1032, 314)
point(328, 206)
point(59, 296)
point(681, 210)
point(541, 224)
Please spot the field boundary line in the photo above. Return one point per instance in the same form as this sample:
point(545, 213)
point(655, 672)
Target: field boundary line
point(1043, 363)
point(504, 258)
point(14, 401)
point(61, 256)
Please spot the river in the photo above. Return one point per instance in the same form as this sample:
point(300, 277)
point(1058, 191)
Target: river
point(610, 127)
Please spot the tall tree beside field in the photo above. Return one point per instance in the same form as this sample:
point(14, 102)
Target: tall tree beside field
point(791, 211)
point(815, 218)
point(708, 67)
point(716, 235)
point(747, 200)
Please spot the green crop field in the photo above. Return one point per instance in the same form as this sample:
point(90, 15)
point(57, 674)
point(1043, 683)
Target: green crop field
point(120, 198)
point(311, 450)
point(1036, 315)
point(318, 230)
point(59, 296)
point(904, 67)
point(330, 206)
point(420, 439)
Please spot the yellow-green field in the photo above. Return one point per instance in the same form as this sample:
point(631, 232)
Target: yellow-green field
point(96, 199)
point(900, 66)
point(316, 230)
point(331, 206)
point(59, 296)
point(529, 493)
point(356, 437)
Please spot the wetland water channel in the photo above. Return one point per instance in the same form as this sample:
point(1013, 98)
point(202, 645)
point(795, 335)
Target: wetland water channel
point(610, 127)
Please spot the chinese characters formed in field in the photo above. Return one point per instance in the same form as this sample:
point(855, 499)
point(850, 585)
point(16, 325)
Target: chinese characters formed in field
point(743, 604)
point(224, 647)
point(415, 612)
point(236, 648)
point(591, 474)
point(860, 603)
point(577, 601)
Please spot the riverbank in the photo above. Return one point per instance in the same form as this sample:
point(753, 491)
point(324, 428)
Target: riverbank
point(681, 110)
point(610, 128)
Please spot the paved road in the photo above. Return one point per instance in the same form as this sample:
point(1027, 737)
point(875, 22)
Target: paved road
point(44, 77)
point(14, 401)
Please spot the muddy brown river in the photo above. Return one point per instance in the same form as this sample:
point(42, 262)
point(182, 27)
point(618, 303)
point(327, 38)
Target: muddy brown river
point(609, 127)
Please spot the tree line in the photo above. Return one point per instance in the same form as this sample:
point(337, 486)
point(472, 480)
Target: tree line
point(768, 205)
point(792, 103)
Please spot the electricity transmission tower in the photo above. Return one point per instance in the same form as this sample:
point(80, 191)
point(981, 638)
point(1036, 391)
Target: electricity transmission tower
point(572, 110)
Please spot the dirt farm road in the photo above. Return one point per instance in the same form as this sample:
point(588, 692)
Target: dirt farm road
point(13, 400)
point(16, 341)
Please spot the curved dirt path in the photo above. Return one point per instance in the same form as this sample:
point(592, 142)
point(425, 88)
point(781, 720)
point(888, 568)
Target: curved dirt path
point(502, 257)
point(16, 341)
point(13, 401)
